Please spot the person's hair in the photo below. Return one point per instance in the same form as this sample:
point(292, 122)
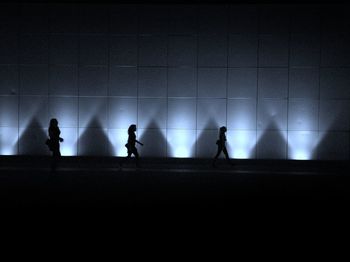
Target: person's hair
point(53, 122)
point(223, 129)
point(132, 128)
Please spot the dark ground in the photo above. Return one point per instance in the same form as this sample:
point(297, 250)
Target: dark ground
point(173, 184)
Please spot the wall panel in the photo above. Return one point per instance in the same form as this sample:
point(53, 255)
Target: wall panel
point(277, 76)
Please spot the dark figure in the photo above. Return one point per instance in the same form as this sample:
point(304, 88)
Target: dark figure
point(131, 145)
point(54, 143)
point(221, 146)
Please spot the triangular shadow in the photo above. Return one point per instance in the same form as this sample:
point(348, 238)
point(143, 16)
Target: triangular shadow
point(155, 142)
point(32, 140)
point(271, 144)
point(94, 141)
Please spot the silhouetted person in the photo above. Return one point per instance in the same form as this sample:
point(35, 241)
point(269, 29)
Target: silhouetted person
point(54, 143)
point(131, 145)
point(221, 142)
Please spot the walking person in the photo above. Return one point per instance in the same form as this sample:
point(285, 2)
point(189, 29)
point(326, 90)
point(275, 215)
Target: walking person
point(54, 143)
point(131, 144)
point(221, 142)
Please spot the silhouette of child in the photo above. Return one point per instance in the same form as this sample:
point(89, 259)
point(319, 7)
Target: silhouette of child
point(131, 145)
point(221, 142)
point(54, 142)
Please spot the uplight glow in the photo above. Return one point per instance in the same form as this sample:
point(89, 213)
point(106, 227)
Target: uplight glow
point(8, 140)
point(302, 144)
point(181, 143)
point(241, 143)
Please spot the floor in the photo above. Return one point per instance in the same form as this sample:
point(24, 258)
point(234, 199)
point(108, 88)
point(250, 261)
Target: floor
point(172, 183)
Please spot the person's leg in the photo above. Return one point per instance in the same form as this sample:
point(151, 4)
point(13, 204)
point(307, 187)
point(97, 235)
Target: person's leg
point(217, 155)
point(54, 160)
point(218, 152)
point(225, 153)
point(136, 154)
point(226, 156)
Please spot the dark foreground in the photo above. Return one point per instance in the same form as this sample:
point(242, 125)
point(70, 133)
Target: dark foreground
point(181, 184)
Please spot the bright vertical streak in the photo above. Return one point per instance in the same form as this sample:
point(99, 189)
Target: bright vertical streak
point(118, 138)
point(65, 110)
point(8, 140)
point(122, 113)
point(302, 144)
point(241, 143)
point(181, 143)
point(69, 146)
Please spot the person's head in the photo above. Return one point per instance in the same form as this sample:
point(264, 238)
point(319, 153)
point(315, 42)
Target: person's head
point(223, 129)
point(132, 128)
point(53, 122)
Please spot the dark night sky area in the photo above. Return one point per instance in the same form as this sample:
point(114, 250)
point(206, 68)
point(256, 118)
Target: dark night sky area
point(185, 1)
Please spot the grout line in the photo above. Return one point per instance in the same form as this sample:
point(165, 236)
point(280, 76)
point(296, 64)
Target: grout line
point(257, 82)
point(319, 86)
point(109, 78)
point(288, 80)
point(78, 82)
point(137, 65)
point(167, 91)
point(227, 59)
point(48, 71)
point(196, 70)
point(19, 79)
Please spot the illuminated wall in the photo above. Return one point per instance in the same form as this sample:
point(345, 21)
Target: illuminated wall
point(277, 77)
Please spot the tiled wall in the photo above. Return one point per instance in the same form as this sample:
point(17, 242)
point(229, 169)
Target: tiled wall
point(277, 76)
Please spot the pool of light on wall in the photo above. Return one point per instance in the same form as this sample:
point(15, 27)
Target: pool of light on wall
point(8, 141)
point(118, 138)
point(302, 144)
point(69, 146)
point(181, 143)
point(241, 143)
